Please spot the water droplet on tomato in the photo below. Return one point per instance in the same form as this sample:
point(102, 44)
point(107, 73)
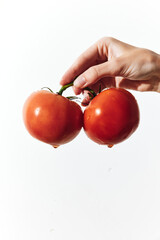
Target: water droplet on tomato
point(110, 145)
point(55, 146)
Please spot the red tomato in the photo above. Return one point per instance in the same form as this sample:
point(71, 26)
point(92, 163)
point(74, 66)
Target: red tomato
point(52, 118)
point(111, 117)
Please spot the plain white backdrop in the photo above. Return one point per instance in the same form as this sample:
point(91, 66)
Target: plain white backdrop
point(81, 190)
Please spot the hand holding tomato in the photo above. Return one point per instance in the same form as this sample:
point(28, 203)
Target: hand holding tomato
point(113, 115)
point(112, 63)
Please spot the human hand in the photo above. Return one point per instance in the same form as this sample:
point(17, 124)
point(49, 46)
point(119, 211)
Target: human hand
point(112, 63)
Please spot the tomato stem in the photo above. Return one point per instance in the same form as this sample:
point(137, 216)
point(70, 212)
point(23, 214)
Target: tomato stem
point(100, 88)
point(48, 89)
point(73, 98)
point(63, 88)
point(93, 94)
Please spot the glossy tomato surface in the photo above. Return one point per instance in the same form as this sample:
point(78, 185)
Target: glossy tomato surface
point(52, 118)
point(111, 117)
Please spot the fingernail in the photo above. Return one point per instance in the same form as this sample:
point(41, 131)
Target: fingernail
point(80, 82)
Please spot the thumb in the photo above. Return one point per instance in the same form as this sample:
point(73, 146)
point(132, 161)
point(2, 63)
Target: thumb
point(110, 68)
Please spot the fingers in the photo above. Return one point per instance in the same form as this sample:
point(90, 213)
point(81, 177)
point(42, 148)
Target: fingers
point(127, 83)
point(111, 59)
point(77, 90)
point(84, 61)
point(104, 49)
point(93, 74)
point(96, 54)
point(107, 82)
point(138, 85)
point(86, 98)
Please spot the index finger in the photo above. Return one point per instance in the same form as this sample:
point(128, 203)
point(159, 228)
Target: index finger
point(83, 62)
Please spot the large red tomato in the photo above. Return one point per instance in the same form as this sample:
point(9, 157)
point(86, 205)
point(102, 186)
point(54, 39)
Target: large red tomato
point(111, 117)
point(52, 118)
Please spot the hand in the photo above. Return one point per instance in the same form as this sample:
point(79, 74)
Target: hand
point(112, 63)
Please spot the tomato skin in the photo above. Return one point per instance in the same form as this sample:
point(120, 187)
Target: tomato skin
point(111, 117)
point(52, 118)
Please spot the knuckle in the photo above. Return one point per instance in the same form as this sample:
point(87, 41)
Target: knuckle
point(102, 47)
point(150, 56)
point(109, 39)
point(103, 39)
point(106, 39)
point(95, 72)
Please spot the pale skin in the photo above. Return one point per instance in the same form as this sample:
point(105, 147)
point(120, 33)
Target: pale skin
point(112, 63)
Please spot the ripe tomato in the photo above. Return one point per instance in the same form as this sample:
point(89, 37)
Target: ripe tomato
point(52, 118)
point(111, 117)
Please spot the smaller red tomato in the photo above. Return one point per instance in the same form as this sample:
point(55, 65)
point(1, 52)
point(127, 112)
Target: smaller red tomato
point(52, 118)
point(111, 117)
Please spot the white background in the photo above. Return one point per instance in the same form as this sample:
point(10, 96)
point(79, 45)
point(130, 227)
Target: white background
point(81, 190)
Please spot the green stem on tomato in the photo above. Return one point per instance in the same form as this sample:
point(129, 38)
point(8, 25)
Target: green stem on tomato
point(63, 88)
point(91, 91)
point(73, 97)
point(48, 89)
